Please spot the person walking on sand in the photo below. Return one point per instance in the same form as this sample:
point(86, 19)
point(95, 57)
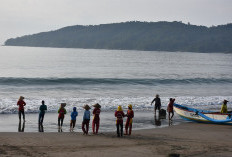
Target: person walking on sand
point(21, 105)
point(119, 114)
point(170, 108)
point(157, 103)
point(86, 119)
point(130, 116)
point(74, 114)
point(42, 109)
point(62, 111)
point(224, 106)
point(96, 118)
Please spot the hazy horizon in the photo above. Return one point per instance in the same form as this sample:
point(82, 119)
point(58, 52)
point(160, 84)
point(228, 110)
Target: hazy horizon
point(24, 17)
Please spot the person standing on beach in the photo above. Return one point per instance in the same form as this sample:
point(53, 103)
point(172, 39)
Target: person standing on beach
point(62, 111)
point(74, 114)
point(96, 118)
point(130, 116)
point(86, 119)
point(119, 114)
point(21, 105)
point(170, 108)
point(157, 103)
point(224, 107)
point(42, 109)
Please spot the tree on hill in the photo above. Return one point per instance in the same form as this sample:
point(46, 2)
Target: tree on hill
point(149, 36)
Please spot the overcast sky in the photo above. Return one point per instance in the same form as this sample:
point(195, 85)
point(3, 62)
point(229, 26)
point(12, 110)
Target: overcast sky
point(22, 17)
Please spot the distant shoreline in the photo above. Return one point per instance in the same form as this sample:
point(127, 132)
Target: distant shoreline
point(142, 36)
point(108, 49)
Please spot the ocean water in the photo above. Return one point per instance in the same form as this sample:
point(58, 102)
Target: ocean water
point(111, 78)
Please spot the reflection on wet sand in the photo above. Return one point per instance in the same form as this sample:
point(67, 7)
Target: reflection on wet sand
point(21, 126)
point(41, 129)
point(157, 121)
point(60, 129)
point(158, 118)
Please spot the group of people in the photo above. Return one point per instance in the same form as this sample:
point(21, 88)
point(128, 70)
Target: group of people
point(171, 103)
point(169, 107)
point(119, 114)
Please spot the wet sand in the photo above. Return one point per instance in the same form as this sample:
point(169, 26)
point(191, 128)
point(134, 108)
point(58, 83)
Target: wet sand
point(143, 120)
point(187, 139)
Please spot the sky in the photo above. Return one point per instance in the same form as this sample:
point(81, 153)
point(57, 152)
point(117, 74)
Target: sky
point(24, 17)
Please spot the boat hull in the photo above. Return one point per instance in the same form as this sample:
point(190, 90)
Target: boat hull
point(190, 115)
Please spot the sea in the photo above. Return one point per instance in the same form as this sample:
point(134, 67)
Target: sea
point(110, 78)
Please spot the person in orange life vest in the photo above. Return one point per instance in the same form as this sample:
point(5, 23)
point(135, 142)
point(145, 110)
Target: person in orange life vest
point(170, 108)
point(130, 116)
point(86, 119)
point(21, 105)
point(96, 118)
point(62, 111)
point(119, 114)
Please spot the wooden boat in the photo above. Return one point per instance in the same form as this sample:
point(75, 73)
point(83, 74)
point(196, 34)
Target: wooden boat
point(202, 116)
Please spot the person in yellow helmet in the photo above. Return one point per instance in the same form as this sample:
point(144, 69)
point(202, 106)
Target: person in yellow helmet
point(119, 114)
point(224, 107)
point(130, 116)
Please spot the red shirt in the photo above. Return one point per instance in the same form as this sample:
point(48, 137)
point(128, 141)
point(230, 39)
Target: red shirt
point(130, 114)
point(119, 115)
point(96, 113)
point(170, 105)
point(62, 112)
point(21, 105)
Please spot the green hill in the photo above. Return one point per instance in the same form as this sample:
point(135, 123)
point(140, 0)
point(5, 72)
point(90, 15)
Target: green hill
point(148, 36)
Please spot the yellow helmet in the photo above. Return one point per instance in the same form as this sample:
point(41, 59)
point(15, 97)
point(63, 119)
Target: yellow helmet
point(130, 106)
point(119, 108)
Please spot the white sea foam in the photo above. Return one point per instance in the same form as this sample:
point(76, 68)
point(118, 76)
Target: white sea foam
point(9, 106)
point(111, 78)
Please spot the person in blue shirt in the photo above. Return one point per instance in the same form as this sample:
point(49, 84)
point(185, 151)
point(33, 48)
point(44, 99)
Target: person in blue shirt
point(86, 119)
point(74, 114)
point(42, 109)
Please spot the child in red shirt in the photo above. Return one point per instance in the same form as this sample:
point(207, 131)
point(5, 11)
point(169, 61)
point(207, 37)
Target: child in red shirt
point(21, 105)
point(62, 111)
point(96, 118)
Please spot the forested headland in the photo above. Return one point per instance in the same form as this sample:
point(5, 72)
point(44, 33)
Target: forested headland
point(147, 36)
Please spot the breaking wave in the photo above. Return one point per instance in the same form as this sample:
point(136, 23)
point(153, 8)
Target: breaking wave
point(109, 81)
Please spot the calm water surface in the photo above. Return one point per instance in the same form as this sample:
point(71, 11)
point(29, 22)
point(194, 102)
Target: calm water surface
point(111, 78)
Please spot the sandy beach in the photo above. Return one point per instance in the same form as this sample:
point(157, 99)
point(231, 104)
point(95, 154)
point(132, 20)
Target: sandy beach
point(186, 139)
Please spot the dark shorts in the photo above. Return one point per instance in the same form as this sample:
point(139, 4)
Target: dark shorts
point(86, 121)
point(157, 107)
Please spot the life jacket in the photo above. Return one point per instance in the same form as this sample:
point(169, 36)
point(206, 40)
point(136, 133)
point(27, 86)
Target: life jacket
point(119, 115)
point(224, 108)
point(130, 114)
